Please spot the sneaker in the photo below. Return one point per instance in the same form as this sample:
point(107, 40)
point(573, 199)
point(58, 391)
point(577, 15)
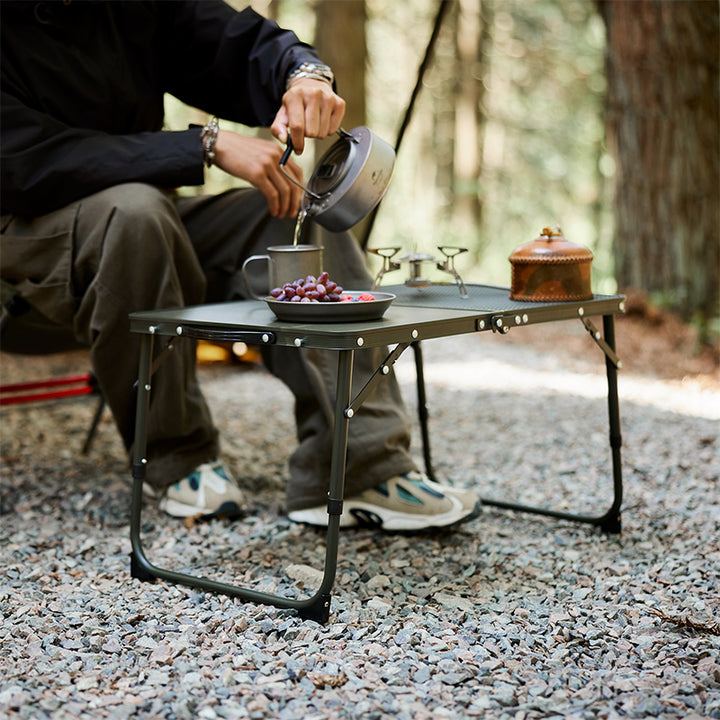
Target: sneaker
point(208, 490)
point(407, 502)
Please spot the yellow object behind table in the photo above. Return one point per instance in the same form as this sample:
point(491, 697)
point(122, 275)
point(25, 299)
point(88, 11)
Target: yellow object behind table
point(228, 353)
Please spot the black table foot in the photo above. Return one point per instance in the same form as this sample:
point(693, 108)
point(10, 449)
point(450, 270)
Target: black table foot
point(612, 524)
point(319, 612)
point(138, 572)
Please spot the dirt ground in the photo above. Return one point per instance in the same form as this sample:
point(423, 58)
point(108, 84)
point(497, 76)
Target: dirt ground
point(648, 341)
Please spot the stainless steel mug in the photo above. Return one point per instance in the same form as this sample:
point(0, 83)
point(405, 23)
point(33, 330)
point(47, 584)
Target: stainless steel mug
point(286, 263)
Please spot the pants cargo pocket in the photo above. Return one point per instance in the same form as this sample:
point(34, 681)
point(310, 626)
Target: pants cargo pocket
point(36, 257)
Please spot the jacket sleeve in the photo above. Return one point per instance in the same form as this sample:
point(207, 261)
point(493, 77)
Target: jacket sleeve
point(46, 165)
point(228, 63)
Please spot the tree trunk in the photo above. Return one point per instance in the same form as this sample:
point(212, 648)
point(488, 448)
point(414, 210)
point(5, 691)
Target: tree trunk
point(340, 42)
point(663, 107)
point(445, 64)
point(470, 36)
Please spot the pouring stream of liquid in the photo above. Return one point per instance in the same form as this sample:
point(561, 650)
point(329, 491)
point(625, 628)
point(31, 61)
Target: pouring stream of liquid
point(299, 225)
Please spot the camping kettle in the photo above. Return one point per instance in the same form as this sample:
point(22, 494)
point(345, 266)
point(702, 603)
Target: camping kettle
point(349, 180)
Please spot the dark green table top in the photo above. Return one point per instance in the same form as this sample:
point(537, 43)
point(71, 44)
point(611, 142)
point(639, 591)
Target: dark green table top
point(416, 314)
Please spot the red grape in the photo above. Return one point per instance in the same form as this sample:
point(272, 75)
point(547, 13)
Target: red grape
point(312, 289)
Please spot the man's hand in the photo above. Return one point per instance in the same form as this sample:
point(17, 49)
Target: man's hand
point(310, 108)
point(258, 161)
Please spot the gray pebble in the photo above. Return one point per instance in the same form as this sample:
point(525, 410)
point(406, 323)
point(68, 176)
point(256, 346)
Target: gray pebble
point(511, 617)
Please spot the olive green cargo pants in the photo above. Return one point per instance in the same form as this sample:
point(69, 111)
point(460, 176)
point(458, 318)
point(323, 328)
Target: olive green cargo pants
point(134, 247)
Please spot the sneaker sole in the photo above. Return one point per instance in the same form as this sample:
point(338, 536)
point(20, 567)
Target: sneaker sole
point(178, 509)
point(319, 517)
point(369, 515)
point(393, 521)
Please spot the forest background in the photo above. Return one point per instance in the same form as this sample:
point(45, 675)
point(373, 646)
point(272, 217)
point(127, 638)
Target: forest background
point(522, 121)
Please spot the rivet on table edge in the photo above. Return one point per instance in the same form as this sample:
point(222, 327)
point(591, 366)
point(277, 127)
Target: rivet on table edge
point(349, 413)
point(581, 311)
point(265, 337)
point(152, 329)
point(144, 461)
point(597, 335)
point(481, 324)
point(621, 306)
point(518, 320)
point(619, 364)
point(414, 334)
point(147, 387)
point(178, 329)
point(385, 370)
point(498, 322)
point(298, 342)
point(360, 342)
point(525, 318)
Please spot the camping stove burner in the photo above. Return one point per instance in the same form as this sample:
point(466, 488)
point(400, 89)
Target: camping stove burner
point(415, 260)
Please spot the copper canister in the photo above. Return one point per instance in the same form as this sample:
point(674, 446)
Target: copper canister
point(550, 269)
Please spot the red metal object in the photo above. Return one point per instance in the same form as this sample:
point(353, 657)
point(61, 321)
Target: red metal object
point(15, 393)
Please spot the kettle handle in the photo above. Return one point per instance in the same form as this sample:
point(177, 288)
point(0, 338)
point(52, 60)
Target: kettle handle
point(288, 150)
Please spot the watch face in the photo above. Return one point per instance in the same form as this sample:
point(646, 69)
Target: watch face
point(317, 67)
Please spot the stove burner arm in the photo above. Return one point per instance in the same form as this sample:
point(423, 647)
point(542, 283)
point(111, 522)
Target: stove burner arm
point(448, 266)
point(388, 264)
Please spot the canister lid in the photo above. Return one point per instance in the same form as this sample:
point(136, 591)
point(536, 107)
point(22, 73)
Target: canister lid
point(550, 247)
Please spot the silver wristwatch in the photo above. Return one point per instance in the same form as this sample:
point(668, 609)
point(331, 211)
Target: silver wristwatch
point(316, 71)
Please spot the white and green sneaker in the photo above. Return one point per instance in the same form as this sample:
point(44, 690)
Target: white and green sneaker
point(207, 490)
point(404, 503)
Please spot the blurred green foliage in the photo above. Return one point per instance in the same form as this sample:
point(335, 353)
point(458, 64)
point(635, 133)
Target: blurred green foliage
point(544, 160)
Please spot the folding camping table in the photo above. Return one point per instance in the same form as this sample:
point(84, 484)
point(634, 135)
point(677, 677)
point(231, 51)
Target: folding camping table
point(416, 315)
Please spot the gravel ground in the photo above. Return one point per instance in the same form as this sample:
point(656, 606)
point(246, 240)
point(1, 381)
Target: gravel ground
point(512, 616)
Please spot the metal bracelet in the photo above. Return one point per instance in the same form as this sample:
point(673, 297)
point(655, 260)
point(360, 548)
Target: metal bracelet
point(314, 71)
point(209, 139)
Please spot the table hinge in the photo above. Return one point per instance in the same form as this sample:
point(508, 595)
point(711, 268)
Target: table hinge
point(596, 335)
point(503, 323)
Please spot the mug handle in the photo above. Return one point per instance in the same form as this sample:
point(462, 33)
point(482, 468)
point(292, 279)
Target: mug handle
point(246, 277)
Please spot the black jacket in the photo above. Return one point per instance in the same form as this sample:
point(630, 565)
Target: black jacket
point(83, 84)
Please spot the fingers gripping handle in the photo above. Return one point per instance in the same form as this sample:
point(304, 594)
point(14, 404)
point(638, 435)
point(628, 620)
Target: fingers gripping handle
point(283, 160)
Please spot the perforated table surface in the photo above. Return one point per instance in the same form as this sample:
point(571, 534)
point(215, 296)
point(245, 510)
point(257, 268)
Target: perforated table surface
point(435, 311)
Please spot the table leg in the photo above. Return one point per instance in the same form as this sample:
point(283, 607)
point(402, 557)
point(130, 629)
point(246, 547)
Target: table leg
point(316, 607)
point(610, 521)
point(139, 566)
point(423, 412)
